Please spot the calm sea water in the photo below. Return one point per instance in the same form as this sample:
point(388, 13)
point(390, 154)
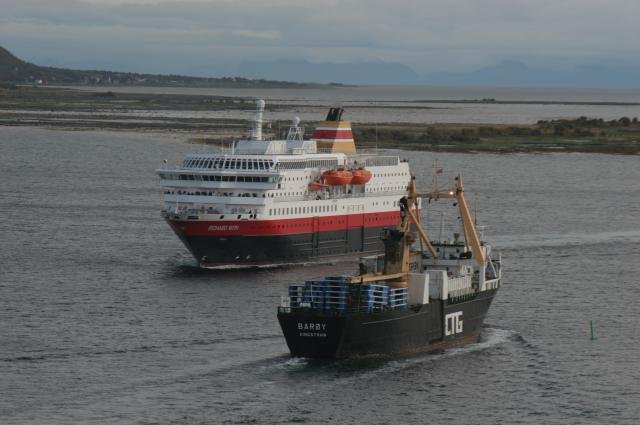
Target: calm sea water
point(402, 103)
point(105, 320)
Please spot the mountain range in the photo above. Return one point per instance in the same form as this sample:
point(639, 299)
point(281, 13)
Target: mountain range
point(292, 72)
point(506, 74)
point(15, 70)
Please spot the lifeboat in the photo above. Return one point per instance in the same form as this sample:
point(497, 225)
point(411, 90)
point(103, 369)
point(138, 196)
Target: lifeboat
point(360, 176)
point(337, 177)
point(316, 186)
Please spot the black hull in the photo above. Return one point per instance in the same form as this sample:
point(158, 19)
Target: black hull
point(433, 326)
point(211, 251)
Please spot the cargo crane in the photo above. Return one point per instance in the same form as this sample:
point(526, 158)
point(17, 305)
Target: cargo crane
point(398, 241)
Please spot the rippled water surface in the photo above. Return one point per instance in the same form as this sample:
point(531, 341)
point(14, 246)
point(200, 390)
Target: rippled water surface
point(105, 319)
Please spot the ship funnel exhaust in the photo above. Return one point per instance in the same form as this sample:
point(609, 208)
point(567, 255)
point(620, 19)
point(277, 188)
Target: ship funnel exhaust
point(256, 134)
point(333, 134)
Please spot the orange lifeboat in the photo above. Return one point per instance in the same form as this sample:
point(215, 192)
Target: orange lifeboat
point(337, 177)
point(361, 176)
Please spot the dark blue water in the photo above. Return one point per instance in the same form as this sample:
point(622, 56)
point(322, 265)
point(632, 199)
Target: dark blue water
point(105, 319)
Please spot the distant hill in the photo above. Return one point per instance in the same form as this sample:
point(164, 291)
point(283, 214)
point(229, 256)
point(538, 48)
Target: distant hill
point(301, 73)
point(15, 70)
point(518, 74)
point(508, 73)
point(300, 70)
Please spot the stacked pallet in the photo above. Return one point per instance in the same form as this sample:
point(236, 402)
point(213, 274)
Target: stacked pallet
point(398, 298)
point(329, 295)
point(369, 297)
point(298, 296)
point(320, 294)
point(336, 294)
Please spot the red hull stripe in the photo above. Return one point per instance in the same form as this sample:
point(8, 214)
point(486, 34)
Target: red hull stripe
point(332, 134)
point(285, 226)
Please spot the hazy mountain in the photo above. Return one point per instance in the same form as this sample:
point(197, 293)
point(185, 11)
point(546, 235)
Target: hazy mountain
point(15, 70)
point(278, 73)
point(517, 74)
point(506, 73)
point(300, 70)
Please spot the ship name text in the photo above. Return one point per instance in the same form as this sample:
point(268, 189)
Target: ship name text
point(312, 329)
point(223, 228)
point(453, 323)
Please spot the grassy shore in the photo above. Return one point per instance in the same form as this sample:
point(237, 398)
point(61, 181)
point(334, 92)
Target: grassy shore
point(580, 135)
point(82, 110)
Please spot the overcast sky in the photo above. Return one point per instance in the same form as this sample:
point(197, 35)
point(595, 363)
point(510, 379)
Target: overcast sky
point(212, 36)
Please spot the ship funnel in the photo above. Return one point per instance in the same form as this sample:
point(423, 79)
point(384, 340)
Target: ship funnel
point(256, 134)
point(334, 134)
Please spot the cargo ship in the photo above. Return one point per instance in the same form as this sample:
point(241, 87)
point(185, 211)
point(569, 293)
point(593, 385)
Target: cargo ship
point(402, 302)
point(269, 202)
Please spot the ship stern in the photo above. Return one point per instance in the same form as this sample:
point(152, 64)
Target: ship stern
point(312, 335)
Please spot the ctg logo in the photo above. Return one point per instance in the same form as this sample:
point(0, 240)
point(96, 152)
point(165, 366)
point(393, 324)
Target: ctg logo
point(453, 323)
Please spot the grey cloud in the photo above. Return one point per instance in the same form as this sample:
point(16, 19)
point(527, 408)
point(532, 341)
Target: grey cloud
point(427, 35)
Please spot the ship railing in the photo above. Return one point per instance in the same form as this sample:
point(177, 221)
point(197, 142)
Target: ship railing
point(366, 150)
point(460, 292)
point(320, 197)
point(325, 150)
point(492, 284)
point(341, 311)
point(200, 213)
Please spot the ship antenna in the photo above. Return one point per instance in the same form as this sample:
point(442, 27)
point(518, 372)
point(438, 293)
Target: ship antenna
point(437, 170)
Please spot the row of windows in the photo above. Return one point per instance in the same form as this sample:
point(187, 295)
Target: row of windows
point(321, 222)
point(266, 164)
point(390, 174)
point(240, 179)
point(311, 163)
point(381, 161)
point(211, 193)
point(240, 194)
point(304, 210)
point(229, 163)
point(256, 164)
point(382, 188)
point(219, 178)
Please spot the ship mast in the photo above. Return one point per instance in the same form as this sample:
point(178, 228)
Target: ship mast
point(469, 229)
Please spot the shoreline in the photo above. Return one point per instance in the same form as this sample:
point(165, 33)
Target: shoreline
point(69, 109)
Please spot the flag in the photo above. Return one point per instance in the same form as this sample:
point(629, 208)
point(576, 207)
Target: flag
point(439, 171)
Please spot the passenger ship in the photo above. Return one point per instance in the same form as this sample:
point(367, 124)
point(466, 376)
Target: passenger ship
point(270, 202)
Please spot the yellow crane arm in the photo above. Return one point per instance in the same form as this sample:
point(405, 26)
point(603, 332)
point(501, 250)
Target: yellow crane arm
point(422, 233)
point(468, 227)
point(470, 232)
point(367, 278)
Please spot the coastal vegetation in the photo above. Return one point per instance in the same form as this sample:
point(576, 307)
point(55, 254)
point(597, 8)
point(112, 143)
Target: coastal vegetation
point(576, 135)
